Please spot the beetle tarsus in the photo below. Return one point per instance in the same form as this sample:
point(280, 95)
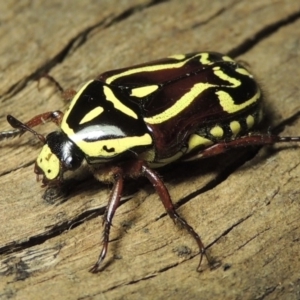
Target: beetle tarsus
point(96, 267)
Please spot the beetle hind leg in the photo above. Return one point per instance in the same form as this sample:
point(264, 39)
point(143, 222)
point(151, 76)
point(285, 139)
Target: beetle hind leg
point(141, 169)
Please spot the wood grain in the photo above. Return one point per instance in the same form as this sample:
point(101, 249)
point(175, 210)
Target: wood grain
point(245, 206)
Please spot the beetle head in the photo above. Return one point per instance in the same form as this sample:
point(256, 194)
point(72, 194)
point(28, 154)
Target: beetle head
point(58, 154)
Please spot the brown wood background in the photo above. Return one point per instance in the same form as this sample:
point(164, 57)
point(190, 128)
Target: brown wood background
point(246, 208)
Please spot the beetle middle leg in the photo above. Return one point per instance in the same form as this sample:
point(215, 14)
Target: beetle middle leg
point(243, 141)
point(113, 203)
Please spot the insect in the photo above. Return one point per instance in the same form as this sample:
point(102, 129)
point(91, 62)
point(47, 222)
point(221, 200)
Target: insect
point(128, 122)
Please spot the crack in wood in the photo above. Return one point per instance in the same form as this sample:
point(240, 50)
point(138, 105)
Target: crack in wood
point(229, 229)
point(54, 231)
point(263, 34)
point(75, 43)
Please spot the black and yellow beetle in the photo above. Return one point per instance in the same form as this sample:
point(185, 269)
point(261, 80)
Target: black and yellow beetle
point(127, 122)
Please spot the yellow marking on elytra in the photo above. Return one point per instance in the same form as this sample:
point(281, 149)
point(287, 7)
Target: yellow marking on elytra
point(92, 114)
point(250, 121)
point(217, 132)
point(204, 58)
point(154, 68)
point(233, 81)
point(177, 56)
point(48, 163)
point(64, 126)
point(143, 91)
point(117, 103)
point(225, 99)
point(180, 104)
point(243, 71)
point(227, 58)
point(228, 104)
point(166, 161)
point(196, 140)
point(235, 127)
point(113, 146)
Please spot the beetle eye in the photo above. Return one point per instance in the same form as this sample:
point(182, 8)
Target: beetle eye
point(68, 162)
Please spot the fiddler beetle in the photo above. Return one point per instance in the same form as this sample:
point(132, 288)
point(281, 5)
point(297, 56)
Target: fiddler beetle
point(128, 122)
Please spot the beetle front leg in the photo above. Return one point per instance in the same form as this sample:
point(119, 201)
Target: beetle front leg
point(51, 116)
point(113, 203)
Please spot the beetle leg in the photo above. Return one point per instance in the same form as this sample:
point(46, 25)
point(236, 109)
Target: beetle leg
point(244, 141)
point(141, 169)
point(10, 134)
point(67, 94)
point(51, 116)
point(113, 203)
point(51, 79)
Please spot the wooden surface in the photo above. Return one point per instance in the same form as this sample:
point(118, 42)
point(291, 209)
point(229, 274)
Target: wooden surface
point(245, 208)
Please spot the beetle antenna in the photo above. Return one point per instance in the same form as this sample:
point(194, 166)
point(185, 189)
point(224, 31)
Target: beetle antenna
point(15, 123)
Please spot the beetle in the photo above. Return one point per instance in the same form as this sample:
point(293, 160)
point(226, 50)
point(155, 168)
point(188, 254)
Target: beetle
point(130, 121)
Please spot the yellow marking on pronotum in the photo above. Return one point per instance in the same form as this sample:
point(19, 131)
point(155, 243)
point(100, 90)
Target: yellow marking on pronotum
point(154, 68)
point(144, 91)
point(196, 140)
point(117, 103)
point(250, 121)
point(115, 146)
point(228, 104)
point(235, 127)
point(180, 104)
point(64, 126)
point(177, 56)
point(217, 132)
point(92, 114)
point(48, 163)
